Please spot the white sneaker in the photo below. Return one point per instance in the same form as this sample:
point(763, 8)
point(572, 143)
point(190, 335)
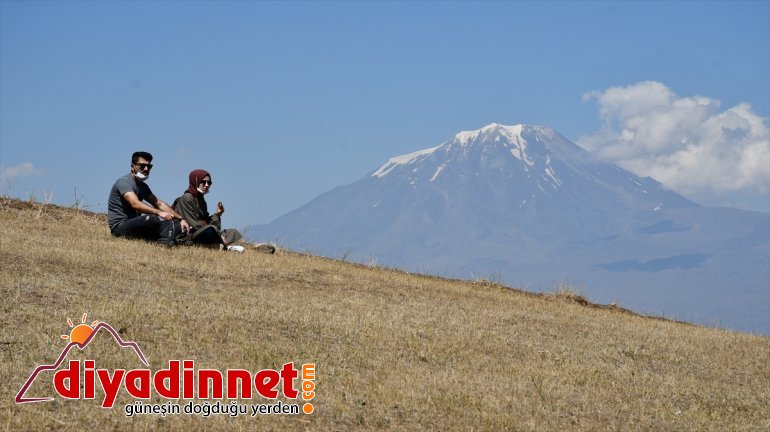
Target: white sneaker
point(236, 248)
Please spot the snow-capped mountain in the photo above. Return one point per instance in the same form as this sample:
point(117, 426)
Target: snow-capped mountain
point(526, 206)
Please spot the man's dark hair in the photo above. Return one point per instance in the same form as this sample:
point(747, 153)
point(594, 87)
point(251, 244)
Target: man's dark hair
point(140, 154)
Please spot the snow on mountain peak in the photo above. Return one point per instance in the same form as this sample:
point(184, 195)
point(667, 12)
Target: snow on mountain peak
point(510, 132)
point(494, 133)
point(402, 160)
point(511, 138)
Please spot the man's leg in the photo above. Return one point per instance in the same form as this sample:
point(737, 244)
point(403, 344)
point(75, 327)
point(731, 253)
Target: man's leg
point(144, 226)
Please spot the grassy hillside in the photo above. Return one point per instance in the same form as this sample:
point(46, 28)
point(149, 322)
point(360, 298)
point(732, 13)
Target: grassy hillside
point(392, 350)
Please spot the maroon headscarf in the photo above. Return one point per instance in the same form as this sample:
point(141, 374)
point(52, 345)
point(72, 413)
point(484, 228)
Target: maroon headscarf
point(196, 178)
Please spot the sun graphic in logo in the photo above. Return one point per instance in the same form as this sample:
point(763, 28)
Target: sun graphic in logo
point(81, 332)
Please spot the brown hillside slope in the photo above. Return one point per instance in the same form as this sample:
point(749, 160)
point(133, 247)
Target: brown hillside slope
point(392, 350)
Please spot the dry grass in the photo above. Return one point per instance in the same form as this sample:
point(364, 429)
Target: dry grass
point(393, 350)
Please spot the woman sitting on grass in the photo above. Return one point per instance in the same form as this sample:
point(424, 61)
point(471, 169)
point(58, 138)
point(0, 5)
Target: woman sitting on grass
point(206, 229)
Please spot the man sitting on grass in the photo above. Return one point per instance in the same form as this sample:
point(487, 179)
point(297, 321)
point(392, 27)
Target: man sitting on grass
point(129, 216)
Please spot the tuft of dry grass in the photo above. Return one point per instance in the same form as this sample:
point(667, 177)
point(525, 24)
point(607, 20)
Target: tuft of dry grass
point(392, 350)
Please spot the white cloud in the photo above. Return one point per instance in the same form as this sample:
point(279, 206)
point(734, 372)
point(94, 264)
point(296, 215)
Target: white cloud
point(9, 174)
point(686, 143)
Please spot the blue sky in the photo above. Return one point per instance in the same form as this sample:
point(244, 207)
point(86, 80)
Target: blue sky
point(282, 101)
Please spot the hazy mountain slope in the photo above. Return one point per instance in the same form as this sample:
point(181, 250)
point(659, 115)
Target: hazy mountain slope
point(526, 205)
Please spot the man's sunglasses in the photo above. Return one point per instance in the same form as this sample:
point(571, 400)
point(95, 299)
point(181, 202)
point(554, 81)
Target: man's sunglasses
point(144, 165)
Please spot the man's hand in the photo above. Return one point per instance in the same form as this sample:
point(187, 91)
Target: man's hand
point(165, 215)
point(185, 226)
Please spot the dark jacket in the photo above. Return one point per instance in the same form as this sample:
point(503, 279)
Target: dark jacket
point(195, 211)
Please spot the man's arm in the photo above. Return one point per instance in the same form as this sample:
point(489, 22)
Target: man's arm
point(160, 208)
point(167, 213)
point(141, 207)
